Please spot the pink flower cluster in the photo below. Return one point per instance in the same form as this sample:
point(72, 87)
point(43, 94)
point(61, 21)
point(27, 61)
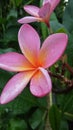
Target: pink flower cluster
point(39, 14)
point(31, 65)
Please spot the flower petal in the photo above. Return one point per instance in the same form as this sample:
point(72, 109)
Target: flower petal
point(53, 4)
point(52, 49)
point(29, 42)
point(45, 1)
point(32, 10)
point(28, 19)
point(44, 10)
point(40, 84)
point(15, 62)
point(15, 86)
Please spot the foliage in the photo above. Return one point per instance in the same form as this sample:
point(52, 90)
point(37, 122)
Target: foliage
point(26, 111)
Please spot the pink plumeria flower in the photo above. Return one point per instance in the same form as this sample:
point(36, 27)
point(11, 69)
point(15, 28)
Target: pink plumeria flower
point(39, 14)
point(32, 65)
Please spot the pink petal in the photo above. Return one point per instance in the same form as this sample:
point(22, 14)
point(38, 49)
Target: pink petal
point(29, 42)
point(53, 4)
point(13, 61)
point(40, 84)
point(15, 86)
point(32, 10)
point(45, 1)
point(44, 10)
point(28, 19)
point(52, 49)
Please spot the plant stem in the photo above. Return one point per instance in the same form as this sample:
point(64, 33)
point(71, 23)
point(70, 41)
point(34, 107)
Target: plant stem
point(62, 91)
point(47, 24)
point(50, 99)
point(67, 81)
point(50, 29)
point(49, 103)
point(66, 65)
point(69, 68)
point(61, 77)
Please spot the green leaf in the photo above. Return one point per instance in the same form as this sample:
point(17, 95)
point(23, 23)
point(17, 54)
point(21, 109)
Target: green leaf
point(53, 17)
point(11, 35)
point(16, 2)
point(68, 116)
point(41, 1)
point(68, 23)
point(54, 117)
point(36, 118)
point(68, 16)
point(64, 125)
point(67, 105)
point(70, 49)
point(56, 26)
point(6, 50)
point(2, 20)
point(12, 14)
point(44, 30)
point(4, 77)
point(15, 124)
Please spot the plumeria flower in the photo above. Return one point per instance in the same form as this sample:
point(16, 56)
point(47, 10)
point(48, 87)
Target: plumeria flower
point(32, 64)
point(39, 14)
